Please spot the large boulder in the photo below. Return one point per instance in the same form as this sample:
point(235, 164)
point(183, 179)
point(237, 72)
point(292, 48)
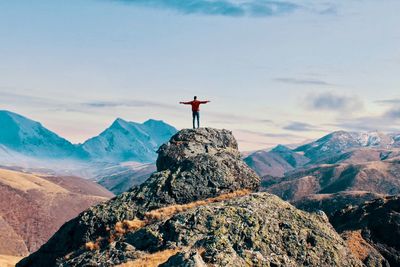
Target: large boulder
point(193, 165)
point(255, 230)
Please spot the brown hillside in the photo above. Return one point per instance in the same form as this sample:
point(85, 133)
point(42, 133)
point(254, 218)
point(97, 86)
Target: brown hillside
point(33, 207)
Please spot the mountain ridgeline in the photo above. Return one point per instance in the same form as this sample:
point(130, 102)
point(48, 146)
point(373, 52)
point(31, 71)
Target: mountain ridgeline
point(336, 147)
point(353, 177)
point(122, 141)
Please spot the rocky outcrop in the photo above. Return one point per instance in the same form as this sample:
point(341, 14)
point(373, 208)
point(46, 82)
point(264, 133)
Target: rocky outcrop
point(255, 230)
point(193, 165)
point(378, 224)
point(196, 210)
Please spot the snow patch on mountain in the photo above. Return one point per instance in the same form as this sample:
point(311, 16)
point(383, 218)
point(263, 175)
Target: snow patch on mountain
point(129, 141)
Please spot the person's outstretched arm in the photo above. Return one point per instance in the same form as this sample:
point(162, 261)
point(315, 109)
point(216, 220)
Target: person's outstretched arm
point(186, 103)
point(205, 102)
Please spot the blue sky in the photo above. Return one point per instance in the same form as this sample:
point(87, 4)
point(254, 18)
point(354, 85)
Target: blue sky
point(275, 71)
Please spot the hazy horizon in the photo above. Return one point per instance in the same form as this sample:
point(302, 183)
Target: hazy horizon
point(276, 72)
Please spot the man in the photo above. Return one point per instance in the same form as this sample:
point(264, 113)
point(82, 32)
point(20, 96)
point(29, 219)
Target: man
point(195, 110)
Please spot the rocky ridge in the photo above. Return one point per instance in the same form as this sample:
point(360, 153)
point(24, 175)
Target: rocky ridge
point(375, 228)
point(190, 213)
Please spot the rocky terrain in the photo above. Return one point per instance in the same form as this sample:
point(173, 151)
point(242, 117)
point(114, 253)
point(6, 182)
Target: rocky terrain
point(342, 167)
point(196, 210)
point(332, 203)
point(33, 207)
point(373, 230)
point(350, 176)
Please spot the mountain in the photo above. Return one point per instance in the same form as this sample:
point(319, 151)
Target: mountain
point(373, 230)
point(33, 207)
point(30, 138)
point(332, 203)
point(381, 177)
point(341, 141)
point(120, 178)
point(276, 162)
point(359, 155)
point(122, 141)
point(129, 141)
point(198, 209)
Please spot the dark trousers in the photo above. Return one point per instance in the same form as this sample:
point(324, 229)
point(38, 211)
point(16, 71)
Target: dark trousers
point(196, 114)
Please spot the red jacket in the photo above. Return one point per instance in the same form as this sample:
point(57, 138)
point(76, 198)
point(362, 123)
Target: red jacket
point(195, 104)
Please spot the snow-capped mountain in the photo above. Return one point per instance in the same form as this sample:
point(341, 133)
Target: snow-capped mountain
point(22, 138)
point(333, 148)
point(340, 141)
point(129, 141)
point(28, 137)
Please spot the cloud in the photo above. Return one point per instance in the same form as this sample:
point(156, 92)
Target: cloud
point(224, 118)
point(300, 127)
point(303, 81)
point(231, 8)
point(392, 114)
point(386, 122)
point(394, 101)
point(333, 102)
point(7, 97)
point(128, 103)
point(270, 135)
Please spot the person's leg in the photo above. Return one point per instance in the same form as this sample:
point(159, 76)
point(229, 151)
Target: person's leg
point(194, 119)
point(198, 119)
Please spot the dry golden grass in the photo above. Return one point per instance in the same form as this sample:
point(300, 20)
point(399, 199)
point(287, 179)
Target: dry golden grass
point(9, 261)
point(151, 260)
point(129, 225)
point(26, 181)
point(357, 244)
point(92, 246)
point(166, 212)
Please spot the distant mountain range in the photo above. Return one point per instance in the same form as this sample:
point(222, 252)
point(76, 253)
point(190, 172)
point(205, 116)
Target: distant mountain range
point(335, 147)
point(339, 169)
point(31, 138)
point(122, 141)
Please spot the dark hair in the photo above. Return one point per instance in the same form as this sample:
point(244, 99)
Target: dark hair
point(195, 97)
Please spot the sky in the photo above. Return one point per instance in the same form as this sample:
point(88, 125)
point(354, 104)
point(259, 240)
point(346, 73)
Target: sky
point(276, 72)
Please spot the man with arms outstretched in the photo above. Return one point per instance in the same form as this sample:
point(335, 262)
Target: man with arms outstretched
point(195, 110)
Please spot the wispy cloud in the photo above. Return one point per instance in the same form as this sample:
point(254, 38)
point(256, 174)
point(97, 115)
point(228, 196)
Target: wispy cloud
point(297, 81)
point(333, 102)
point(223, 118)
point(386, 122)
point(8, 97)
point(232, 8)
point(394, 101)
point(297, 126)
point(128, 103)
point(392, 114)
point(271, 135)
